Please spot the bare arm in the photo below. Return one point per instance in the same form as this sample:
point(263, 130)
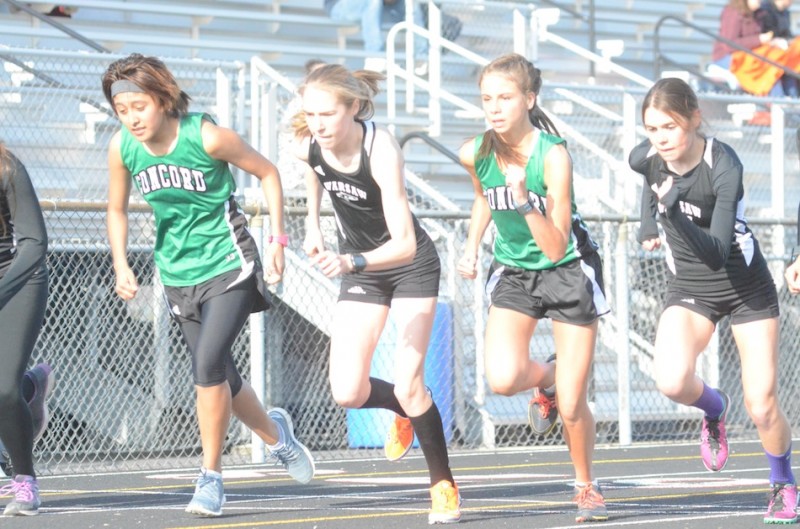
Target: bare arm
point(314, 242)
point(225, 144)
point(119, 192)
point(388, 167)
point(551, 231)
point(479, 219)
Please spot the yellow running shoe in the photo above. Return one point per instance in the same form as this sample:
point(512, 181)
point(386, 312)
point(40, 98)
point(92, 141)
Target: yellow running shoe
point(445, 503)
point(399, 438)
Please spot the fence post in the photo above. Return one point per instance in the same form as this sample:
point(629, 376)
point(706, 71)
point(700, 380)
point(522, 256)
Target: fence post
point(777, 185)
point(623, 341)
point(258, 370)
point(625, 191)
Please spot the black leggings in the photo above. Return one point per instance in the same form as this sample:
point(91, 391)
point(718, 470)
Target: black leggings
point(20, 322)
point(211, 339)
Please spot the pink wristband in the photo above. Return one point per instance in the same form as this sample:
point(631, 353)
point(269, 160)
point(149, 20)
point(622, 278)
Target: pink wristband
point(283, 240)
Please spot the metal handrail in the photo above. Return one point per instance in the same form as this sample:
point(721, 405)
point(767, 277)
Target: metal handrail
point(58, 25)
point(54, 83)
point(61, 27)
point(574, 13)
point(659, 58)
point(430, 141)
point(590, 20)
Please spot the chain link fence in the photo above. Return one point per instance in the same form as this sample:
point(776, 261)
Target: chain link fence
point(124, 397)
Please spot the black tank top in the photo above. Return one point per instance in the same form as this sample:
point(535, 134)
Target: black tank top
point(356, 199)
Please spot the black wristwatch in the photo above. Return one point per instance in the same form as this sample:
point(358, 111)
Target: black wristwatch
point(525, 208)
point(358, 262)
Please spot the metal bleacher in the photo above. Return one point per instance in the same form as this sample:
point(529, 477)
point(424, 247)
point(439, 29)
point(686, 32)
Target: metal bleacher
point(287, 33)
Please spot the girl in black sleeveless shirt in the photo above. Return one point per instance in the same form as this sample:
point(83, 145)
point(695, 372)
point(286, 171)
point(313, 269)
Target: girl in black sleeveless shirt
point(384, 258)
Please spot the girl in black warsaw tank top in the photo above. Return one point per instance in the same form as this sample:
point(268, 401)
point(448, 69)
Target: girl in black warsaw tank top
point(384, 259)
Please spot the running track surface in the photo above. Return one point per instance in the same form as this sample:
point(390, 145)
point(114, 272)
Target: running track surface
point(659, 486)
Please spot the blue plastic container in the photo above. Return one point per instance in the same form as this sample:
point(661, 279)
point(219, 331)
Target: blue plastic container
point(367, 428)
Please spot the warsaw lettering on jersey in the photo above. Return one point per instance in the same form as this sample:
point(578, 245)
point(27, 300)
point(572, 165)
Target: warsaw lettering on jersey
point(690, 210)
point(345, 190)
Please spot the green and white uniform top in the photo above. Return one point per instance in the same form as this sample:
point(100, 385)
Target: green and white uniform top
point(200, 230)
point(514, 244)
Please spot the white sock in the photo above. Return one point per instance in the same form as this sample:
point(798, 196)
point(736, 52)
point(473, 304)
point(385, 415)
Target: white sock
point(212, 473)
point(281, 439)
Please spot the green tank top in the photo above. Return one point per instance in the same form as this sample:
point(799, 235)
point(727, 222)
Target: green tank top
point(514, 245)
point(191, 195)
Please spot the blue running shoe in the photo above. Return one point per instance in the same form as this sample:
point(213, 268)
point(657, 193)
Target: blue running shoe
point(209, 495)
point(293, 455)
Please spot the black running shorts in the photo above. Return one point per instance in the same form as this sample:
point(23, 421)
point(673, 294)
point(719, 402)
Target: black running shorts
point(420, 279)
point(570, 293)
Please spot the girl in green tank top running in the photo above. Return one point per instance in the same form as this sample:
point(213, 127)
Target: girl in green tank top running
point(207, 259)
point(546, 265)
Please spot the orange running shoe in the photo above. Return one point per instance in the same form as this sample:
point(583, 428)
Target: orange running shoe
point(399, 438)
point(445, 503)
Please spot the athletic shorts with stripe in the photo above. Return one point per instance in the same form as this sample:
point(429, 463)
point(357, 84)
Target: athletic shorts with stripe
point(570, 293)
point(185, 302)
point(745, 301)
point(420, 279)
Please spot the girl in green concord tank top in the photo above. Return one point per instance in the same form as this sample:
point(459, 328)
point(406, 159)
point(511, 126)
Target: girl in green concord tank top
point(546, 264)
point(206, 258)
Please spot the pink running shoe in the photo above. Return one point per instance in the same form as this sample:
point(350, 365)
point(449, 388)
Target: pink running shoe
point(714, 440)
point(782, 504)
point(26, 500)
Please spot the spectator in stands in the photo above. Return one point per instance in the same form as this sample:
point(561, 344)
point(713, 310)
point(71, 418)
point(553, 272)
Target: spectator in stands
point(694, 184)
point(62, 11)
point(49, 9)
point(207, 260)
point(738, 24)
point(451, 29)
point(23, 300)
point(774, 16)
point(385, 259)
point(545, 262)
point(371, 14)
